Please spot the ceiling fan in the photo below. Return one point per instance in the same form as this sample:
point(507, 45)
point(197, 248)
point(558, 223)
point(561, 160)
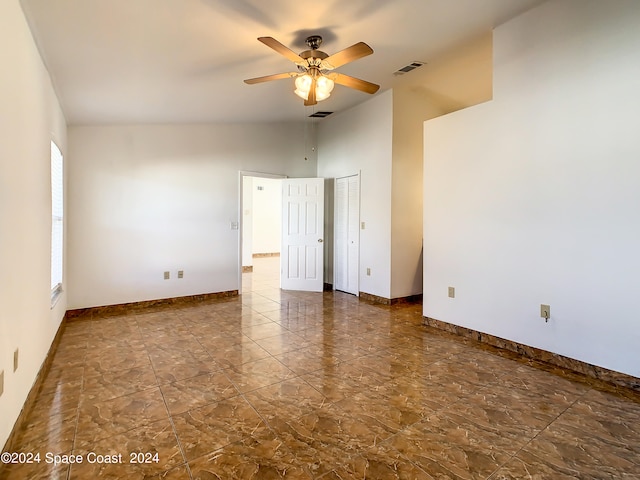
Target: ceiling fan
point(315, 77)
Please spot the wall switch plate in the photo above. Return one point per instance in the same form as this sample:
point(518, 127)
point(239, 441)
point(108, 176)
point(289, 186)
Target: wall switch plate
point(545, 312)
point(368, 272)
point(180, 273)
point(167, 275)
point(1, 382)
point(15, 360)
point(452, 292)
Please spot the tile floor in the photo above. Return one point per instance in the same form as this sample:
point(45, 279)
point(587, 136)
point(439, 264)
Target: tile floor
point(294, 385)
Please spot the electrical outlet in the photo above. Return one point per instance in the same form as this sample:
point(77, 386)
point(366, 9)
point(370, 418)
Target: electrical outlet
point(1, 382)
point(15, 360)
point(180, 273)
point(368, 272)
point(545, 312)
point(167, 275)
point(452, 292)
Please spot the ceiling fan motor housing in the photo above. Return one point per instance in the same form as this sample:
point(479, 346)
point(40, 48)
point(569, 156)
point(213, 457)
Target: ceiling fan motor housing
point(314, 56)
point(319, 54)
point(314, 42)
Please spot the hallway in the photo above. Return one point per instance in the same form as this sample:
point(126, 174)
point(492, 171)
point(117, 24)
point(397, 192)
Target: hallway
point(275, 384)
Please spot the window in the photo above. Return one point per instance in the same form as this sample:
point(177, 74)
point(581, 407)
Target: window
point(57, 210)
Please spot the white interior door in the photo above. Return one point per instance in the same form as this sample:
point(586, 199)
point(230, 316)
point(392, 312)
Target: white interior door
point(347, 234)
point(302, 253)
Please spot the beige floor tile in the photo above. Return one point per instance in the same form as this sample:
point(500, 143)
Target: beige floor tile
point(568, 447)
point(204, 430)
point(262, 456)
point(150, 450)
point(97, 420)
point(197, 392)
point(288, 399)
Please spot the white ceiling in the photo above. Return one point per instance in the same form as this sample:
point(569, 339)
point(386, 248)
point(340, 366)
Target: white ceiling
point(184, 61)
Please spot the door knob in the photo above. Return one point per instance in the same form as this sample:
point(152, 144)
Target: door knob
point(320, 240)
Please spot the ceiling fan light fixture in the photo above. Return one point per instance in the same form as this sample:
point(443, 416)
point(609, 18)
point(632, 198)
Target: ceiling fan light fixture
point(303, 84)
point(324, 86)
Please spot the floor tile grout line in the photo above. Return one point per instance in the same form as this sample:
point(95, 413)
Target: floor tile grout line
point(540, 432)
point(173, 426)
point(77, 420)
point(486, 387)
point(248, 402)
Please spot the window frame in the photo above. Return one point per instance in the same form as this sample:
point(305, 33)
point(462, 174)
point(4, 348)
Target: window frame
point(57, 222)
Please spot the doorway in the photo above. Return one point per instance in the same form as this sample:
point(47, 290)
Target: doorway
point(261, 219)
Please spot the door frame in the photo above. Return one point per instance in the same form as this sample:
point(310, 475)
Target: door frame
point(241, 175)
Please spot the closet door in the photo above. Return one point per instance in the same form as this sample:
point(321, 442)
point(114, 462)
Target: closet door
point(347, 234)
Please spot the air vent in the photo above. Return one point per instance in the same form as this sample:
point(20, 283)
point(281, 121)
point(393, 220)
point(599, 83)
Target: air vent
point(320, 114)
point(408, 68)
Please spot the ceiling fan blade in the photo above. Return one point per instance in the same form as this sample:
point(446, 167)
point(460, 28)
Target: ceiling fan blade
point(281, 49)
point(268, 78)
point(352, 82)
point(311, 99)
point(349, 54)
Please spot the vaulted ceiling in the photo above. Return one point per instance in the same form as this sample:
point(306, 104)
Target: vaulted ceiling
point(184, 61)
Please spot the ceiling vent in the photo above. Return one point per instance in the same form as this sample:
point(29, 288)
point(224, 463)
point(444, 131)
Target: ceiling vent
point(408, 68)
point(320, 114)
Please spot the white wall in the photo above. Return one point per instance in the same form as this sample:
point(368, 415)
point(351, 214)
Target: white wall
point(411, 107)
point(533, 198)
point(149, 199)
point(30, 117)
point(360, 140)
point(267, 215)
